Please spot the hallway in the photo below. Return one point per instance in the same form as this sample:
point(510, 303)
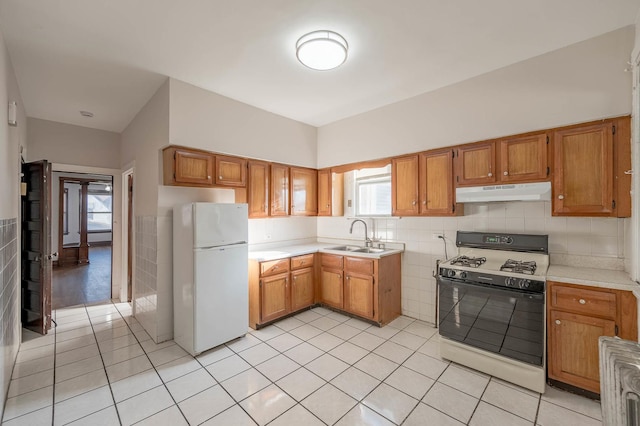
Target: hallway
point(83, 284)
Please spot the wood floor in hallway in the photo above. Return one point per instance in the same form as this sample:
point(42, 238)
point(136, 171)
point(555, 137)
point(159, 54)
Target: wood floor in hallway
point(83, 284)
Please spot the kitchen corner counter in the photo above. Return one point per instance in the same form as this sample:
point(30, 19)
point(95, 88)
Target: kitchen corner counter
point(604, 278)
point(285, 251)
point(300, 249)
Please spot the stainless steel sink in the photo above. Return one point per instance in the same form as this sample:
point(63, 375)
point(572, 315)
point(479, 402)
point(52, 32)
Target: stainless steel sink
point(370, 250)
point(345, 248)
point(357, 249)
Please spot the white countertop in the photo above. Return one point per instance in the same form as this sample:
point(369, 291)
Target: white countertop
point(280, 252)
point(605, 278)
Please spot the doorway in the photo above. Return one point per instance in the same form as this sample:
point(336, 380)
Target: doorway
point(83, 228)
point(128, 235)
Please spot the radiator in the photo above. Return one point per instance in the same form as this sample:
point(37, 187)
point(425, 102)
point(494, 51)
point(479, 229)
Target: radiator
point(619, 381)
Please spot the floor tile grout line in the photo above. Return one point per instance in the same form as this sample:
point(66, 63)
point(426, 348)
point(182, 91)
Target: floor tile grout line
point(104, 367)
point(157, 373)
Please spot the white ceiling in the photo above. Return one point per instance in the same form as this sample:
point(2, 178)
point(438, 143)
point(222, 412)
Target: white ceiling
point(109, 57)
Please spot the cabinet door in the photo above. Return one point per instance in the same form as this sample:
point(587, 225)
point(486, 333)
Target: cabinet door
point(258, 192)
point(304, 192)
point(573, 348)
point(324, 192)
point(301, 288)
point(231, 171)
point(404, 186)
point(274, 297)
point(193, 167)
point(583, 171)
point(476, 164)
point(331, 288)
point(524, 159)
point(436, 183)
point(359, 295)
point(279, 190)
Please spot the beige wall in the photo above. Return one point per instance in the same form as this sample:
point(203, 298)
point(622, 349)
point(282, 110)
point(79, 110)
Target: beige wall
point(206, 120)
point(584, 81)
point(11, 139)
point(142, 140)
point(69, 144)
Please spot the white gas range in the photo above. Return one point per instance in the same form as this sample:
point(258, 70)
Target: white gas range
point(491, 306)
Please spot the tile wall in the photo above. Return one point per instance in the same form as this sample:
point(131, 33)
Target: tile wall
point(274, 230)
point(10, 316)
point(570, 240)
point(145, 276)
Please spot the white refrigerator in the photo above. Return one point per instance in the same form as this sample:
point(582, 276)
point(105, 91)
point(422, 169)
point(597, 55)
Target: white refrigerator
point(210, 274)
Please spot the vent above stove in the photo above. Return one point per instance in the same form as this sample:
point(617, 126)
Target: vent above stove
point(539, 191)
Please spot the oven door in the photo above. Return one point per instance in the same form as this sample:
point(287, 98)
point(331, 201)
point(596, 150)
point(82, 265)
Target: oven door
point(501, 320)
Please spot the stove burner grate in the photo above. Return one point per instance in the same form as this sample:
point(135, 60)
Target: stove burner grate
point(519, 267)
point(472, 262)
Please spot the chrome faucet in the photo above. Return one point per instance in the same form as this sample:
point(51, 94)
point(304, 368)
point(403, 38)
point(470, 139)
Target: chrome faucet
point(367, 240)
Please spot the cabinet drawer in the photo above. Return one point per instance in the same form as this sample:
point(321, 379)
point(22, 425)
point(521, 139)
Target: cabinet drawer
point(332, 261)
point(359, 265)
point(304, 261)
point(591, 302)
point(274, 267)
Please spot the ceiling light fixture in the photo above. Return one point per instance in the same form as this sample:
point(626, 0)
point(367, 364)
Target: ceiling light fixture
point(322, 50)
point(86, 114)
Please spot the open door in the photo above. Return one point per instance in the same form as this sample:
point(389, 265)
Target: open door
point(129, 237)
point(36, 247)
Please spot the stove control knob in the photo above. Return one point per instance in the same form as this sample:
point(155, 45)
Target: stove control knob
point(524, 283)
point(508, 240)
point(510, 281)
point(451, 273)
point(463, 275)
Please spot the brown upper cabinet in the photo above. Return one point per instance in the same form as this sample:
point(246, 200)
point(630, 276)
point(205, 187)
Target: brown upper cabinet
point(437, 194)
point(589, 170)
point(330, 193)
point(423, 184)
point(513, 160)
point(476, 164)
point(304, 191)
point(524, 159)
point(279, 190)
point(231, 171)
point(187, 167)
point(404, 186)
point(194, 167)
point(258, 188)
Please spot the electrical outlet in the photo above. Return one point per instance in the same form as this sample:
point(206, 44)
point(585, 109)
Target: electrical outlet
point(436, 235)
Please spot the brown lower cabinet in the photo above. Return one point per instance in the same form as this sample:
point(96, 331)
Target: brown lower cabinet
point(368, 288)
point(577, 316)
point(365, 287)
point(280, 287)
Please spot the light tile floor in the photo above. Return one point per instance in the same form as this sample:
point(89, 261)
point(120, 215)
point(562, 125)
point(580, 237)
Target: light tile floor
point(320, 367)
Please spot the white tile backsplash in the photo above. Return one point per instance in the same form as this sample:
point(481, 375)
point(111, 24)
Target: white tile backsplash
point(572, 240)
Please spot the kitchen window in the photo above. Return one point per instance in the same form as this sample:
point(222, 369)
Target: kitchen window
point(373, 192)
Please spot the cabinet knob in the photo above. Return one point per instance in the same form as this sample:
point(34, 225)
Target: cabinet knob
point(348, 277)
point(339, 276)
point(558, 322)
point(208, 177)
point(560, 197)
point(328, 205)
point(489, 174)
point(582, 301)
point(220, 177)
point(506, 173)
point(413, 202)
point(424, 202)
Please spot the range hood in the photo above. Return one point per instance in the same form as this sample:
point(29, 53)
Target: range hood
point(539, 191)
